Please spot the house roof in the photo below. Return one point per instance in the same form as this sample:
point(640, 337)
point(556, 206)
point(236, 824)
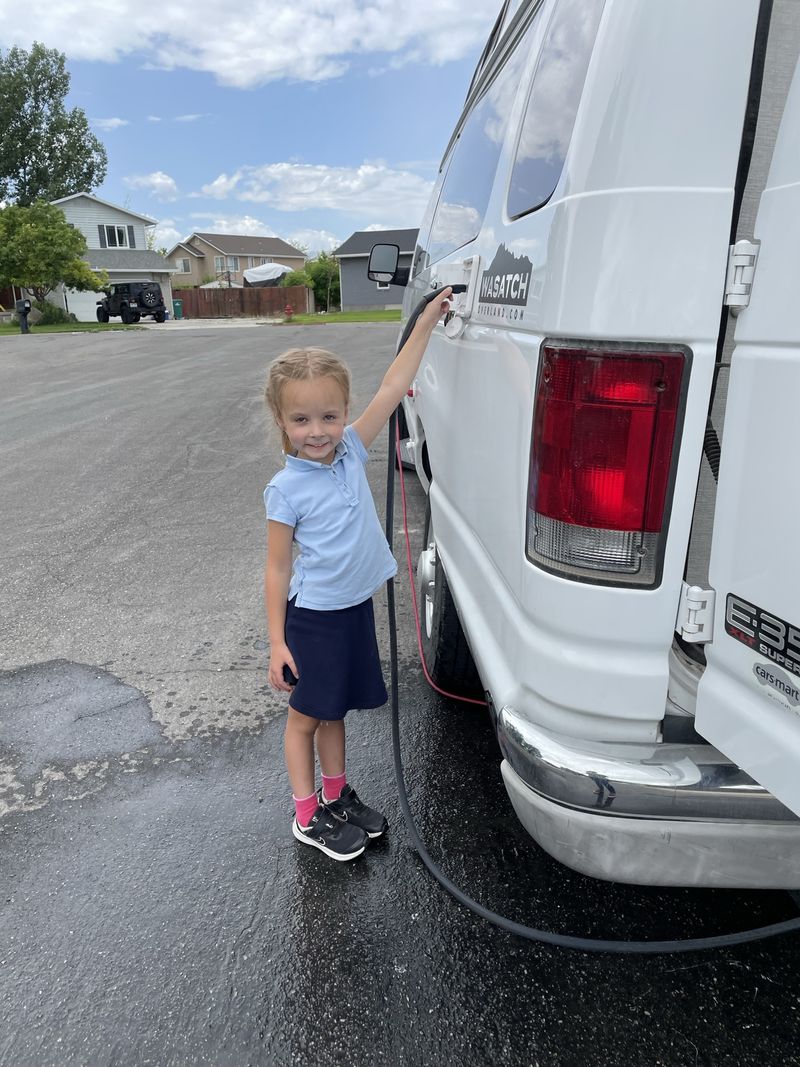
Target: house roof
point(127, 259)
point(233, 244)
point(189, 248)
point(360, 243)
point(107, 203)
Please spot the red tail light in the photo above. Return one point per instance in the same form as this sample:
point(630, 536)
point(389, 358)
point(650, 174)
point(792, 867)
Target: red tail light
point(601, 460)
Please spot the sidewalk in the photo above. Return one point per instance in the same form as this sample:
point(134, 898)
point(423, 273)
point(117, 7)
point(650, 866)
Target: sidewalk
point(206, 324)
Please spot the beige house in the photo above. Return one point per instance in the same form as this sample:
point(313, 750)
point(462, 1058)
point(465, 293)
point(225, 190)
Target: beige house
point(224, 257)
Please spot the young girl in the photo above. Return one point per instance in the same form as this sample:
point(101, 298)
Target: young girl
point(323, 648)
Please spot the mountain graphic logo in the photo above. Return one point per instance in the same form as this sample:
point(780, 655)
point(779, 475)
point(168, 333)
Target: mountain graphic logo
point(507, 279)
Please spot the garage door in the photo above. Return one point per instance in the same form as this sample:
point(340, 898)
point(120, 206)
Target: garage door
point(83, 305)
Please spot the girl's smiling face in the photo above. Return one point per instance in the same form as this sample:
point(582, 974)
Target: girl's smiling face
point(313, 417)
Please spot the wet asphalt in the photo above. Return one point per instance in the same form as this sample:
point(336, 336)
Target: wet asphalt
point(154, 907)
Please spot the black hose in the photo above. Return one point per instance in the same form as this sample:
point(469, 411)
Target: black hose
point(582, 944)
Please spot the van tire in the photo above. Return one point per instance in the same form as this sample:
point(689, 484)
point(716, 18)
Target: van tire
point(444, 646)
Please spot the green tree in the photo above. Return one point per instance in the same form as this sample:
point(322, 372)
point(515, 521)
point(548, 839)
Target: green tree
point(324, 274)
point(46, 152)
point(39, 249)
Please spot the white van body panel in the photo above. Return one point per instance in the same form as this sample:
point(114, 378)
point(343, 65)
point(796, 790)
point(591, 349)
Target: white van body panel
point(749, 697)
point(591, 661)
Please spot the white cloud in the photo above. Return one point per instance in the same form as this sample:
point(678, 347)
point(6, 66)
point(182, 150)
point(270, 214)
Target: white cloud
point(246, 225)
point(109, 124)
point(166, 234)
point(157, 184)
point(154, 118)
point(188, 118)
point(373, 192)
point(262, 41)
point(314, 240)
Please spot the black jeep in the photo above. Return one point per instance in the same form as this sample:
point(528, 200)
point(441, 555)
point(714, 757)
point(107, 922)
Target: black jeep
point(131, 300)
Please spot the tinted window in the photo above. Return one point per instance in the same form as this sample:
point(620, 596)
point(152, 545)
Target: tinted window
point(473, 158)
point(553, 104)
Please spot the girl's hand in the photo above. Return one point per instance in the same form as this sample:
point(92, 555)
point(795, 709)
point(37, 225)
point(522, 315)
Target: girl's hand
point(281, 657)
point(434, 311)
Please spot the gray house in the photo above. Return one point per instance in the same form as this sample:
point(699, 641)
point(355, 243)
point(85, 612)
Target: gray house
point(116, 240)
point(357, 290)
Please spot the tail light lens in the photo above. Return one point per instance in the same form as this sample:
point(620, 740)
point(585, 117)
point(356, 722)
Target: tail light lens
point(601, 462)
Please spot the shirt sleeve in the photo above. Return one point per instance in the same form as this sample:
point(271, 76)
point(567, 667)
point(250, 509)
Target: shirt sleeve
point(353, 440)
point(278, 507)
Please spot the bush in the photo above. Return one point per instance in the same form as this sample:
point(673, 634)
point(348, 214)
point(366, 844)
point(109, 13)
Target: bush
point(296, 277)
point(51, 314)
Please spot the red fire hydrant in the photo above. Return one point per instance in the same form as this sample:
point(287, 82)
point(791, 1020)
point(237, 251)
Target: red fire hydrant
point(288, 312)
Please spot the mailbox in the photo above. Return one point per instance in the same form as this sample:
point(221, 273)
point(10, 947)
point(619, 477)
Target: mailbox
point(23, 307)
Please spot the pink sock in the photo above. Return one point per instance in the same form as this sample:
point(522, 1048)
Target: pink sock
point(332, 787)
point(304, 808)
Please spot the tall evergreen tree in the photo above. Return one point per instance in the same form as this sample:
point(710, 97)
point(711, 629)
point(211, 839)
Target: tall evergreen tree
point(46, 151)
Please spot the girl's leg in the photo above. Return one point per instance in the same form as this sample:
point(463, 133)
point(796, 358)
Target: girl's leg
point(299, 749)
point(331, 751)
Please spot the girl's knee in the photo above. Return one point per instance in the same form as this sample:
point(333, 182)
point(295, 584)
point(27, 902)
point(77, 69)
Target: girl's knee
point(301, 724)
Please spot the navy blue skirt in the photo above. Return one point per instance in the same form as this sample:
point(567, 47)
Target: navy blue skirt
point(336, 653)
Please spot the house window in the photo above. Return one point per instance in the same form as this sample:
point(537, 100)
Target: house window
point(117, 236)
point(219, 264)
point(233, 263)
point(184, 266)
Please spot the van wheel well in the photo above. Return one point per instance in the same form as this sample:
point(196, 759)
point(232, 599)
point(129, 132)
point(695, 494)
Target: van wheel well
point(426, 462)
point(447, 654)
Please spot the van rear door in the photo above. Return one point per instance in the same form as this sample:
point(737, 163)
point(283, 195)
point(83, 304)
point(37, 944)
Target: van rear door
point(748, 702)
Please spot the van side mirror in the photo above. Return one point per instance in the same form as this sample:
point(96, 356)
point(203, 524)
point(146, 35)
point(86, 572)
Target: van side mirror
point(382, 266)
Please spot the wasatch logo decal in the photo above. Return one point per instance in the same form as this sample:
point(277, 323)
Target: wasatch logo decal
point(778, 680)
point(506, 281)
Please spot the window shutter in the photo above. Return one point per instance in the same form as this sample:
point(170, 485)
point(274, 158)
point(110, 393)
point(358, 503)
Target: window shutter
point(131, 238)
point(101, 232)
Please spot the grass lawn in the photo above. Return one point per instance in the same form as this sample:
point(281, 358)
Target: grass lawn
point(67, 327)
point(346, 316)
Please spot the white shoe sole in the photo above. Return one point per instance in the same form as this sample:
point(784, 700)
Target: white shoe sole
point(306, 840)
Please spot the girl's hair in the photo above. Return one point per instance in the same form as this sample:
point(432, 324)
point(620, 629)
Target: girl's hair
point(300, 365)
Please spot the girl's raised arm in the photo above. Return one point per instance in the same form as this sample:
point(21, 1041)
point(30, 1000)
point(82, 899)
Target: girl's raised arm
point(401, 373)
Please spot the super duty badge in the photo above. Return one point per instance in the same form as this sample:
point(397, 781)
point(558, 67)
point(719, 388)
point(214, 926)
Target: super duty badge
point(764, 632)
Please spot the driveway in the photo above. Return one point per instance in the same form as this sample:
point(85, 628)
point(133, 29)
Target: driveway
point(155, 908)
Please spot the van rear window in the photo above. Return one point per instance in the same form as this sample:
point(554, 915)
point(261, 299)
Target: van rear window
point(553, 104)
point(473, 159)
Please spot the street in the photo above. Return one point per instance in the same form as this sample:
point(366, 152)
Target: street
point(155, 907)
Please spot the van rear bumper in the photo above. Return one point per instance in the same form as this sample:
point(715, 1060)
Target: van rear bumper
point(649, 814)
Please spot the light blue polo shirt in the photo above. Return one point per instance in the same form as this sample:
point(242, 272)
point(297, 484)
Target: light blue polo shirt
point(344, 557)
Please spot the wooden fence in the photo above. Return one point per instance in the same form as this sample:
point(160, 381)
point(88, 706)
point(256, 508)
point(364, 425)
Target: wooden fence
point(268, 303)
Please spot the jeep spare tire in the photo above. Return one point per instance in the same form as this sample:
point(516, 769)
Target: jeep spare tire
point(149, 298)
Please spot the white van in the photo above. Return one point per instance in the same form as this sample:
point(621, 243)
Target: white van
point(607, 428)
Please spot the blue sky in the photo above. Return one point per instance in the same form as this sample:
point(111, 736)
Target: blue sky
point(307, 121)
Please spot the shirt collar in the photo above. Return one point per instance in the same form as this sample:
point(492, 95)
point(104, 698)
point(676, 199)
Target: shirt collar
point(296, 463)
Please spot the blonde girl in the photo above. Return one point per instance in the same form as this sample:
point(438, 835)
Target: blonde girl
point(323, 648)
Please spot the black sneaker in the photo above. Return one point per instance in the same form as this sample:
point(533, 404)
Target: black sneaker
point(349, 809)
point(340, 841)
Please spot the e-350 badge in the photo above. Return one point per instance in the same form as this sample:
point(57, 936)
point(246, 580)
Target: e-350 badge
point(765, 633)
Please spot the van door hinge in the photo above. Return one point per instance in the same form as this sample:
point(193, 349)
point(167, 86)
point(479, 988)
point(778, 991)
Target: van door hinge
point(695, 622)
point(739, 281)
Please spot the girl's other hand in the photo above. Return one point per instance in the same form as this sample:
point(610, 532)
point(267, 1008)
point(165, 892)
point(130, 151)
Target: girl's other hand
point(281, 657)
